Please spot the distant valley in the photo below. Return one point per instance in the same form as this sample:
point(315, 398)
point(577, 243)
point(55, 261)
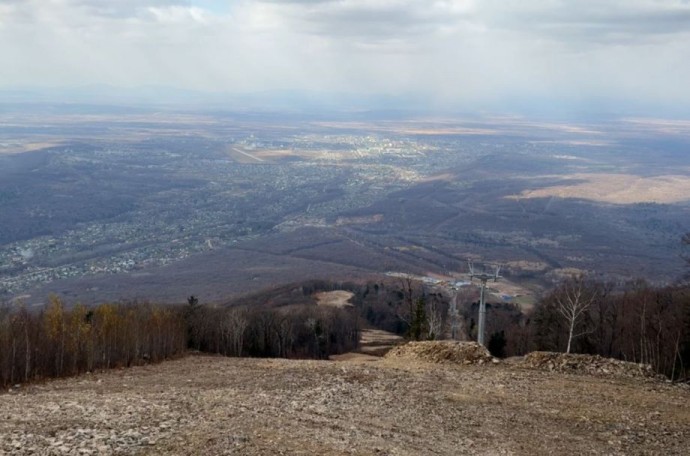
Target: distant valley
point(161, 205)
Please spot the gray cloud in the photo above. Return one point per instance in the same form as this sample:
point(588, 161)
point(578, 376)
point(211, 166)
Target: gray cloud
point(584, 21)
point(123, 8)
point(370, 20)
point(590, 20)
point(467, 52)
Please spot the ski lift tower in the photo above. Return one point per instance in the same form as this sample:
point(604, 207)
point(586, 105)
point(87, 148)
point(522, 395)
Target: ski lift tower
point(483, 279)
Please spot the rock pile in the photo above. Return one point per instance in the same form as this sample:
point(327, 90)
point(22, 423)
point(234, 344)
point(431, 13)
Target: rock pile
point(443, 352)
point(586, 364)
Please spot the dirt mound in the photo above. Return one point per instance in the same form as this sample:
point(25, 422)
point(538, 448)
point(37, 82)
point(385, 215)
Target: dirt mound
point(443, 352)
point(587, 364)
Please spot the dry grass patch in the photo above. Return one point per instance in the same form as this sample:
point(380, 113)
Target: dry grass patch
point(618, 189)
point(337, 298)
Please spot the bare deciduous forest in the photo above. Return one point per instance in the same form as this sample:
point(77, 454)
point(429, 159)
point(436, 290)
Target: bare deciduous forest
point(635, 322)
point(58, 341)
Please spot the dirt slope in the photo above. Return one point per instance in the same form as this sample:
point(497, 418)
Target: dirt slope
point(213, 406)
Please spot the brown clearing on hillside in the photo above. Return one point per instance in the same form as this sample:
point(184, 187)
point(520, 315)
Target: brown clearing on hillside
point(618, 189)
point(29, 146)
point(377, 342)
point(337, 298)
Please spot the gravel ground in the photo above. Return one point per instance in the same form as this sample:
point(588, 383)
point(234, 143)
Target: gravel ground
point(202, 405)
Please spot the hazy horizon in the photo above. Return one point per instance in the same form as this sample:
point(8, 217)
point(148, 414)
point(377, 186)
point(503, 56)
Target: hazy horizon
point(563, 58)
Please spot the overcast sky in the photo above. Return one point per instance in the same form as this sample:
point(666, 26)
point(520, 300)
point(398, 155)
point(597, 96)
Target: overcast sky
point(472, 52)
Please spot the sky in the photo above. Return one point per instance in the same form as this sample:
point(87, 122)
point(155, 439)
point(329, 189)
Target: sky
point(472, 53)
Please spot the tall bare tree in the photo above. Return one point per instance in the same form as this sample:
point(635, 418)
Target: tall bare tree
point(434, 317)
point(573, 299)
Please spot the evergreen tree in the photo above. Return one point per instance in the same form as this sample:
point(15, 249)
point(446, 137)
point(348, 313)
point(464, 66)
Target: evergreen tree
point(497, 344)
point(418, 321)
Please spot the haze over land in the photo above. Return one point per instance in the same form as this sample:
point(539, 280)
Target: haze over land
point(158, 148)
point(162, 204)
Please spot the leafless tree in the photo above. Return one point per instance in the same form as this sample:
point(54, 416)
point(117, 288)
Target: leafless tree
point(434, 317)
point(573, 299)
point(409, 292)
point(284, 330)
point(234, 326)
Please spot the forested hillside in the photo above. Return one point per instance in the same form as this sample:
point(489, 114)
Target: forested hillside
point(634, 322)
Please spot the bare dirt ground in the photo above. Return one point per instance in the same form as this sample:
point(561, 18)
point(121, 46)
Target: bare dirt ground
point(378, 342)
point(212, 406)
point(373, 344)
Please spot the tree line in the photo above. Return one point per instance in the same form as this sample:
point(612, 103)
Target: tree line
point(638, 323)
point(57, 341)
point(285, 331)
point(635, 321)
